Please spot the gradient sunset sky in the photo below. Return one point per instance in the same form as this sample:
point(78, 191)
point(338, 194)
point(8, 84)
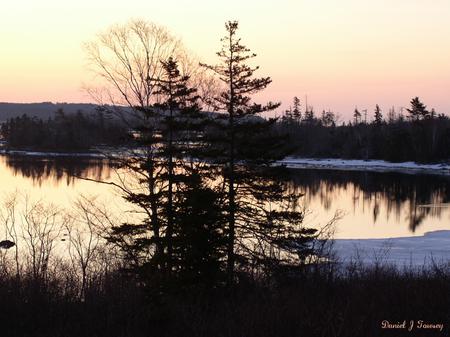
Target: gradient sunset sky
point(341, 54)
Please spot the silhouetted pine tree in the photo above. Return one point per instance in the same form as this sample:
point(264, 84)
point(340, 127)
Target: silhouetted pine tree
point(418, 110)
point(293, 115)
point(199, 241)
point(310, 118)
point(288, 116)
point(328, 119)
point(296, 112)
point(193, 238)
point(357, 116)
point(260, 223)
point(177, 193)
point(378, 116)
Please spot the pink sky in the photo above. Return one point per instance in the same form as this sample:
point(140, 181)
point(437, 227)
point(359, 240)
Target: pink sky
point(341, 54)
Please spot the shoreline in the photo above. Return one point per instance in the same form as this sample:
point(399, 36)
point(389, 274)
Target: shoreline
point(44, 154)
point(370, 165)
point(365, 165)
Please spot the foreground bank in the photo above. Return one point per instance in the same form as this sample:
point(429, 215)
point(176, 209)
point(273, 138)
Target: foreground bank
point(315, 302)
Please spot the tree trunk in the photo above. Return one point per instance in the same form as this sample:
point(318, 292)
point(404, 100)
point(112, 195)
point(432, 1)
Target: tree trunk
point(231, 191)
point(170, 195)
point(154, 213)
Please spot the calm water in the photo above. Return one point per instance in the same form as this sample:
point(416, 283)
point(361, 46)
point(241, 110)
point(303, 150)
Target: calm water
point(375, 205)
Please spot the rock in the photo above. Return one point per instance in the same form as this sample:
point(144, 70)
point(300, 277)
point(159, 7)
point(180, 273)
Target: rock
point(6, 244)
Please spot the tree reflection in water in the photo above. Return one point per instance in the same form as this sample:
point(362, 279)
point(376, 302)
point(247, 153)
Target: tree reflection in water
point(396, 191)
point(56, 170)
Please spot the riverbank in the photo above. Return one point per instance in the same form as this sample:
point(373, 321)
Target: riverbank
point(290, 162)
point(366, 165)
point(51, 154)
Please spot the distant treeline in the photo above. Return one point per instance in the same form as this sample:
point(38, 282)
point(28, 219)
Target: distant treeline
point(78, 131)
point(418, 135)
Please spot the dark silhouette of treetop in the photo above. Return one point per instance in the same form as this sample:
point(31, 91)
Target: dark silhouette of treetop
point(357, 116)
point(378, 116)
point(237, 75)
point(418, 110)
point(296, 112)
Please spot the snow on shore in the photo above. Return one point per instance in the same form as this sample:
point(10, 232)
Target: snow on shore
point(51, 154)
point(365, 165)
point(290, 162)
point(96, 153)
point(432, 247)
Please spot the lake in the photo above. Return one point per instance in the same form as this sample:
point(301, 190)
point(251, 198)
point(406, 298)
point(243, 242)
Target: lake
point(372, 204)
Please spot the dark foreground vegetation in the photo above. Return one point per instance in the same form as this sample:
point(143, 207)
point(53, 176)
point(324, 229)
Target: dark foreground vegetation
point(317, 302)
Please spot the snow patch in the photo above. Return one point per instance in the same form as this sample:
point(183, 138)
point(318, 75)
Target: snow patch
point(51, 154)
point(432, 247)
point(365, 165)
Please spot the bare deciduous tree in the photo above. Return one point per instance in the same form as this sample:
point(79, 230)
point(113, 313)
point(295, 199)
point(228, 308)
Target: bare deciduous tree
point(8, 217)
point(41, 226)
point(83, 241)
point(127, 60)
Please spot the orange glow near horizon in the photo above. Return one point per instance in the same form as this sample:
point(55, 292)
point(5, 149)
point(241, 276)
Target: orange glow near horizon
point(341, 54)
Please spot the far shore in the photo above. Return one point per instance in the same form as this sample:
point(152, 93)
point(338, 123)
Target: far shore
point(366, 165)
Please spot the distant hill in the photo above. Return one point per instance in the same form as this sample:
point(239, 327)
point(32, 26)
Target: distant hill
point(42, 110)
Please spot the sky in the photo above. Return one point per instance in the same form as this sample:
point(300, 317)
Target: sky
point(341, 54)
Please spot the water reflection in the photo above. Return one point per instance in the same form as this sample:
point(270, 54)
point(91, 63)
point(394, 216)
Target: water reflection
point(59, 169)
point(376, 204)
point(397, 193)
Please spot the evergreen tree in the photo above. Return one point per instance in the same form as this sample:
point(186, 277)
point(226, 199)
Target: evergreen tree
point(128, 58)
point(378, 117)
point(293, 115)
point(246, 150)
point(199, 243)
point(391, 115)
point(192, 213)
point(296, 112)
point(328, 119)
point(433, 113)
point(357, 116)
point(310, 118)
point(187, 245)
point(418, 110)
point(288, 116)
